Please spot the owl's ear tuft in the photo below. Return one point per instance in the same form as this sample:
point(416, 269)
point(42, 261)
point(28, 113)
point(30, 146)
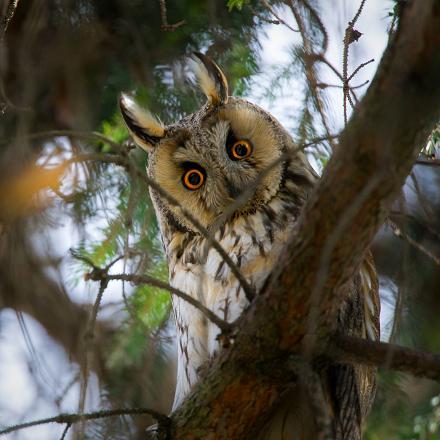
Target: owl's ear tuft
point(146, 130)
point(211, 79)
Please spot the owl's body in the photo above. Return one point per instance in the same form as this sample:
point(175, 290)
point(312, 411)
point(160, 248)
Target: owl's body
point(254, 243)
point(206, 162)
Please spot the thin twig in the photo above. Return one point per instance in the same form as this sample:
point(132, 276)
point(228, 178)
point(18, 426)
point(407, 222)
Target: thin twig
point(428, 227)
point(358, 13)
point(62, 394)
point(66, 429)
point(72, 418)
point(325, 61)
point(424, 204)
point(77, 256)
point(280, 20)
point(338, 86)
point(345, 74)
point(90, 135)
point(350, 100)
point(102, 275)
point(114, 261)
point(399, 233)
point(429, 162)
point(90, 332)
point(359, 68)
point(164, 17)
point(348, 39)
point(98, 157)
point(262, 18)
point(95, 309)
point(309, 59)
point(315, 16)
point(226, 327)
point(401, 290)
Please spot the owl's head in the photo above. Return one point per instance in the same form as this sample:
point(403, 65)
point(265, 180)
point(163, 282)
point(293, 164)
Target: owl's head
point(210, 157)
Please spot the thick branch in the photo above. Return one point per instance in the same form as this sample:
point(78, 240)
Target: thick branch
point(375, 154)
point(415, 362)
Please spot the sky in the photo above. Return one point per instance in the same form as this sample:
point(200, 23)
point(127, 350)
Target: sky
point(24, 398)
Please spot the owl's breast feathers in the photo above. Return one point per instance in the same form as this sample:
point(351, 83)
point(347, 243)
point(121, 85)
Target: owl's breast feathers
point(254, 242)
point(254, 246)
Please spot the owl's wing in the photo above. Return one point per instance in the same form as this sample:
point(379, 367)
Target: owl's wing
point(351, 388)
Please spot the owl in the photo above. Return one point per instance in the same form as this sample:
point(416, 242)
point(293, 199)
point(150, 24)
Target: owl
point(207, 161)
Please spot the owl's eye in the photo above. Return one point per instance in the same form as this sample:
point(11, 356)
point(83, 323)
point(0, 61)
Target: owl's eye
point(193, 179)
point(240, 150)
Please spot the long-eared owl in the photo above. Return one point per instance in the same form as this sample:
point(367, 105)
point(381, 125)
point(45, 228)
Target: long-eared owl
point(206, 161)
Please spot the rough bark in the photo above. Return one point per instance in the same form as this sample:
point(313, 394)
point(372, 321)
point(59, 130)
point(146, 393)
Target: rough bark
point(294, 312)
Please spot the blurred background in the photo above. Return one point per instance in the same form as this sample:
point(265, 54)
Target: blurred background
point(72, 199)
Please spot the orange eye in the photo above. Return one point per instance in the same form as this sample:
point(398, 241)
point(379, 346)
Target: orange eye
point(241, 150)
point(193, 179)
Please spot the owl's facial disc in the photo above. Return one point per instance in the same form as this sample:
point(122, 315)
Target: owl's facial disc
point(218, 159)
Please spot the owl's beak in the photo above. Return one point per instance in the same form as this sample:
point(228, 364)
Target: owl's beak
point(233, 191)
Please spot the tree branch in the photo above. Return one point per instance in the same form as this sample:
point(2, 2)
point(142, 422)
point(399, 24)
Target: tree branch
point(415, 244)
point(349, 349)
point(88, 135)
point(279, 19)
point(101, 275)
point(164, 17)
point(428, 162)
point(309, 61)
point(349, 37)
point(375, 154)
point(89, 335)
point(69, 419)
